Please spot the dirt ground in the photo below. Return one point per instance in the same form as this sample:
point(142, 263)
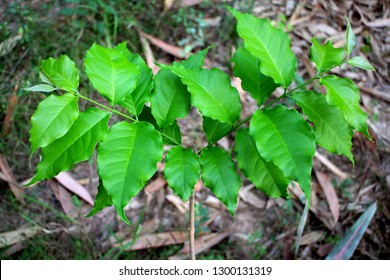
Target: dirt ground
point(47, 221)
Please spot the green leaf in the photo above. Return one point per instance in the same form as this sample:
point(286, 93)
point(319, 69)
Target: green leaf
point(246, 67)
point(344, 249)
point(134, 102)
point(350, 38)
point(61, 72)
point(214, 129)
point(266, 176)
point(330, 128)
point(285, 138)
point(170, 99)
point(102, 200)
point(344, 94)
point(219, 174)
point(211, 93)
point(127, 158)
point(75, 146)
point(195, 61)
point(270, 45)
point(41, 88)
point(325, 56)
point(361, 62)
point(53, 118)
point(111, 73)
point(182, 171)
point(172, 134)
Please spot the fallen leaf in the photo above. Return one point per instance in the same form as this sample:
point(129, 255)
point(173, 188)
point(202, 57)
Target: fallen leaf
point(168, 4)
point(9, 177)
point(330, 194)
point(12, 237)
point(347, 245)
point(65, 199)
point(321, 158)
point(251, 198)
point(178, 203)
point(13, 101)
point(155, 240)
point(65, 179)
point(312, 237)
point(188, 3)
point(149, 57)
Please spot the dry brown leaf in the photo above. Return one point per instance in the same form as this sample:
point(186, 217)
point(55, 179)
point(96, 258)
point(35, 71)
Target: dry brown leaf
point(155, 185)
point(168, 4)
point(65, 199)
point(12, 237)
point(9, 177)
point(156, 240)
point(198, 186)
point(178, 203)
point(72, 185)
point(249, 197)
point(149, 57)
point(313, 237)
point(13, 101)
point(321, 158)
point(330, 194)
point(173, 50)
point(201, 244)
point(188, 3)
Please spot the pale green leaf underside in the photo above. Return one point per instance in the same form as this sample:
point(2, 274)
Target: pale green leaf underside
point(247, 68)
point(135, 101)
point(52, 119)
point(127, 158)
point(350, 38)
point(214, 129)
point(266, 176)
point(285, 138)
point(170, 99)
point(360, 62)
point(102, 200)
point(219, 174)
point(111, 73)
point(330, 128)
point(61, 72)
point(325, 56)
point(182, 171)
point(211, 93)
point(344, 94)
point(75, 146)
point(270, 45)
point(41, 88)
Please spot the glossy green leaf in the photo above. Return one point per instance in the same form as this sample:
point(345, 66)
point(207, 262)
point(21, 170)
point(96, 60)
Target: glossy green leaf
point(285, 138)
point(330, 128)
point(360, 62)
point(214, 129)
point(195, 61)
point(41, 88)
point(246, 67)
point(325, 56)
point(266, 176)
point(219, 174)
point(53, 118)
point(127, 158)
point(102, 200)
point(344, 94)
point(111, 73)
point(182, 171)
point(75, 146)
point(350, 38)
point(61, 72)
point(347, 245)
point(172, 134)
point(135, 101)
point(211, 93)
point(170, 99)
point(270, 45)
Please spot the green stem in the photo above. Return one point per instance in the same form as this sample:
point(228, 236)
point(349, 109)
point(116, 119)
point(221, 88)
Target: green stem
point(123, 115)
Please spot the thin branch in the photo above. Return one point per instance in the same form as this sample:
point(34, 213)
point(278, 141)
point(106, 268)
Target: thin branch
point(192, 226)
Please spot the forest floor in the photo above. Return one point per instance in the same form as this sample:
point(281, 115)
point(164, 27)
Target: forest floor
point(47, 220)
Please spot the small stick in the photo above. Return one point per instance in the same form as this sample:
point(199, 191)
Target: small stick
point(192, 226)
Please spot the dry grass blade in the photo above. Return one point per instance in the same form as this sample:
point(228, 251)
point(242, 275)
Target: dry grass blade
point(156, 240)
point(7, 176)
point(330, 194)
point(72, 185)
point(12, 237)
point(321, 158)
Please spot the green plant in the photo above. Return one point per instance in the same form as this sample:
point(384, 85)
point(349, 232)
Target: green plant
point(277, 148)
